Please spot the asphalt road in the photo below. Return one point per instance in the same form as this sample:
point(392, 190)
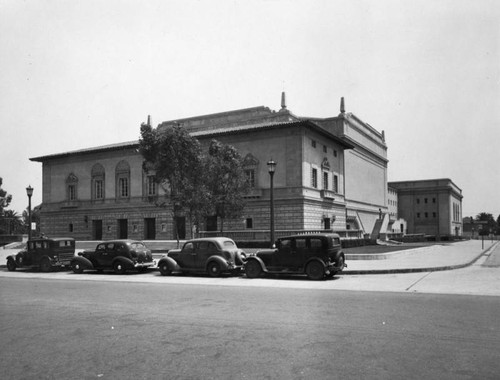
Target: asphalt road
point(122, 329)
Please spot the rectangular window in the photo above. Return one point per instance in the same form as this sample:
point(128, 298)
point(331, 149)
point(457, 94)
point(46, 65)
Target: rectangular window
point(314, 178)
point(98, 189)
point(335, 183)
point(71, 192)
point(249, 223)
point(123, 187)
point(250, 175)
point(70, 227)
point(418, 215)
point(325, 180)
point(325, 149)
point(151, 185)
point(313, 143)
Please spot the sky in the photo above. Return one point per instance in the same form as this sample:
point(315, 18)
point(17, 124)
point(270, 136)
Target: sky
point(80, 74)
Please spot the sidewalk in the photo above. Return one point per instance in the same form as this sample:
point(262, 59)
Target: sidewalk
point(444, 256)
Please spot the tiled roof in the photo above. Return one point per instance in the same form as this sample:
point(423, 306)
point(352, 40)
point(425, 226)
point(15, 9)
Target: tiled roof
point(206, 133)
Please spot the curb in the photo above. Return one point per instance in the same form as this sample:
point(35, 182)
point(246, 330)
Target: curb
point(416, 270)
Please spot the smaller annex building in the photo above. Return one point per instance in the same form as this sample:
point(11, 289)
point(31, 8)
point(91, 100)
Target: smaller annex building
point(430, 207)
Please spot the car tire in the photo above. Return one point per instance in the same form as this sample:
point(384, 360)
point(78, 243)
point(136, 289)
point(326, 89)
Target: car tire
point(213, 269)
point(164, 269)
point(341, 264)
point(119, 268)
point(253, 269)
point(77, 268)
point(315, 270)
point(45, 265)
point(11, 265)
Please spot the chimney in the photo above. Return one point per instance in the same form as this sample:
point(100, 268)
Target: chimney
point(149, 120)
point(342, 105)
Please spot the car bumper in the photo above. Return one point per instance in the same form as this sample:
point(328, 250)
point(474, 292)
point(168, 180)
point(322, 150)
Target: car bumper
point(144, 265)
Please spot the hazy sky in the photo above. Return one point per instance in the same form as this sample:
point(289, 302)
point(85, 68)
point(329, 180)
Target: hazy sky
point(78, 74)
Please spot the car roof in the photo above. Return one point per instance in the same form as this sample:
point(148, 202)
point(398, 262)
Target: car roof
point(53, 239)
point(219, 239)
point(331, 235)
point(126, 241)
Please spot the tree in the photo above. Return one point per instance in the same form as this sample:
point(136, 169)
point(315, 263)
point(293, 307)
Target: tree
point(226, 181)
point(5, 198)
point(11, 223)
point(490, 226)
point(176, 159)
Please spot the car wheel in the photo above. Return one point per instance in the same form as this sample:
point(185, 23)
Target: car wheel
point(341, 263)
point(315, 270)
point(11, 265)
point(253, 269)
point(164, 269)
point(119, 268)
point(45, 265)
point(213, 269)
point(77, 268)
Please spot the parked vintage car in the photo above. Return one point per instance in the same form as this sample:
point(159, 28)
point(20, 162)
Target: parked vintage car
point(119, 255)
point(206, 255)
point(45, 254)
point(316, 255)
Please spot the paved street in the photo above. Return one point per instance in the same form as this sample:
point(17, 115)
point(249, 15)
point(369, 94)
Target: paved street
point(72, 329)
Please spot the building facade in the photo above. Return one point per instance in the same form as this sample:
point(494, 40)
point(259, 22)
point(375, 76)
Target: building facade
point(430, 207)
point(331, 174)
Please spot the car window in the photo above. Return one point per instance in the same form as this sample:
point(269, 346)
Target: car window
point(120, 248)
point(316, 244)
point(101, 247)
point(188, 247)
point(212, 248)
point(45, 244)
point(202, 246)
point(229, 244)
point(110, 246)
point(337, 241)
point(137, 245)
point(286, 245)
point(300, 243)
point(38, 244)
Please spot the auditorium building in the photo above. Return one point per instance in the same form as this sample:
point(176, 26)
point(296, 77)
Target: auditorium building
point(331, 175)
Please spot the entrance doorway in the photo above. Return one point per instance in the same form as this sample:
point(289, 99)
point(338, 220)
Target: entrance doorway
point(149, 228)
point(97, 229)
point(180, 224)
point(122, 228)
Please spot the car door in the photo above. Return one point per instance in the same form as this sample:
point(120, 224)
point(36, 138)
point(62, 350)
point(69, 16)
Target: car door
point(284, 256)
point(206, 249)
point(186, 257)
point(103, 254)
point(298, 256)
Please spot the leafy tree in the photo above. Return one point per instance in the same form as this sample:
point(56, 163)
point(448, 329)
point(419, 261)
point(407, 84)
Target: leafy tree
point(176, 159)
point(226, 181)
point(5, 198)
point(11, 223)
point(490, 225)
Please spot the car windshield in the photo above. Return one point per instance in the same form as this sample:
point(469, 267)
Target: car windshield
point(137, 245)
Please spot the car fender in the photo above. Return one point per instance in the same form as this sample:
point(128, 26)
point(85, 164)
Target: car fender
point(220, 260)
point(124, 260)
point(259, 260)
point(83, 261)
point(172, 264)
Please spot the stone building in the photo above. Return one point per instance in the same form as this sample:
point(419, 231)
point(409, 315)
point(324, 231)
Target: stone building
point(430, 207)
point(331, 174)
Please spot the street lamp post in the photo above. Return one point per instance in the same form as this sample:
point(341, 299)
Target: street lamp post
point(271, 165)
point(29, 192)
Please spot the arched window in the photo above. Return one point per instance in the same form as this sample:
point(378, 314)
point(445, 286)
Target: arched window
point(122, 173)
point(72, 187)
point(97, 180)
point(250, 165)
